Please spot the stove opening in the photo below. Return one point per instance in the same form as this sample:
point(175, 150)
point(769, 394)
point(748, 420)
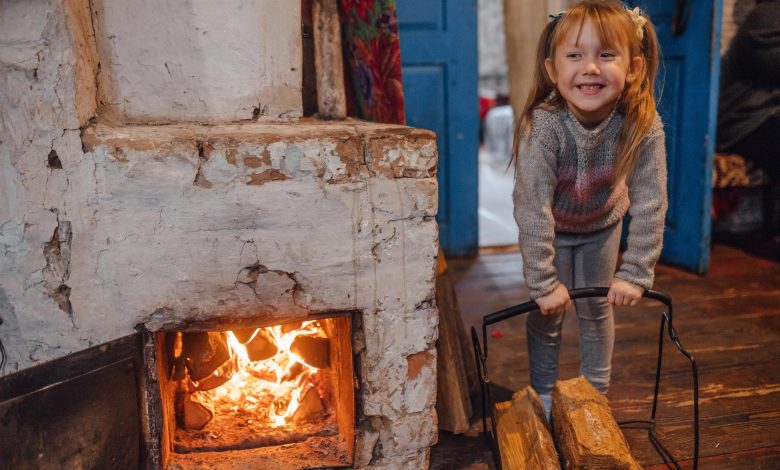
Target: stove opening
point(257, 393)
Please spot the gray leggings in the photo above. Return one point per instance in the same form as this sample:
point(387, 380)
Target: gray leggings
point(581, 260)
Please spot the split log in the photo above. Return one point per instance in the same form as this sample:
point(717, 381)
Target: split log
point(313, 350)
point(261, 347)
point(243, 335)
point(522, 434)
point(196, 415)
point(586, 433)
point(310, 406)
point(288, 327)
point(453, 404)
point(205, 352)
point(216, 379)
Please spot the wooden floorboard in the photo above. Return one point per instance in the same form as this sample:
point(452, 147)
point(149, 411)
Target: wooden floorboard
point(728, 319)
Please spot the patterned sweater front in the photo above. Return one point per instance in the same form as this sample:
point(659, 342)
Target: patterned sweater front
point(564, 183)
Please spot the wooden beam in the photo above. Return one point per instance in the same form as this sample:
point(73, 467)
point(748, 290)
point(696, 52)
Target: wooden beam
point(328, 60)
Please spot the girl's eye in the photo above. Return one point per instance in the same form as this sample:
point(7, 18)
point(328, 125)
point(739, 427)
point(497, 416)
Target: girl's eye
point(608, 55)
point(573, 55)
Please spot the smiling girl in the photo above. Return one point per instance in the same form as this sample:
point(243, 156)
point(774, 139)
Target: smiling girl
point(589, 146)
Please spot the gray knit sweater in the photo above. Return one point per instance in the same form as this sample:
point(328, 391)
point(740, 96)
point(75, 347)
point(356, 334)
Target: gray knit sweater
point(564, 184)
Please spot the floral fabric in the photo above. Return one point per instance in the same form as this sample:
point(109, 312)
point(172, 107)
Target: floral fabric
point(372, 54)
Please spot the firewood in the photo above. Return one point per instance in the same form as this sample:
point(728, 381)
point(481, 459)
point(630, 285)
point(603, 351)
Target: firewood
point(310, 406)
point(196, 415)
point(585, 431)
point(223, 374)
point(288, 327)
point(243, 335)
point(261, 347)
point(313, 350)
point(453, 404)
point(522, 434)
point(204, 352)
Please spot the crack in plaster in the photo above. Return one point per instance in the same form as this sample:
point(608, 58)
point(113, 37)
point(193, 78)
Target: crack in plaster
point(374, 249)
point(203, 150)
point(56, 252)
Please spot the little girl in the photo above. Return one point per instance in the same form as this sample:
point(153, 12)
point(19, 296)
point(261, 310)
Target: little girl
point(589, 147)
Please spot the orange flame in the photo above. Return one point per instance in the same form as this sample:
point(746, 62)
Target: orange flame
point(253, 384)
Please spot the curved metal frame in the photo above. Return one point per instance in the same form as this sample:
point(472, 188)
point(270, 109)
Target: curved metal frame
point(666, 321)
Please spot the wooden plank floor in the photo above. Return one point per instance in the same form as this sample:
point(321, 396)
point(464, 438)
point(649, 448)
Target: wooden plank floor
point(729, 320)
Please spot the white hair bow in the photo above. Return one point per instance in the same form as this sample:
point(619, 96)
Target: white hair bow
point(639, 20)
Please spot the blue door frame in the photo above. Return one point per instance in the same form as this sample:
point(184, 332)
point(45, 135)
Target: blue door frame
point(688, 101)
point(439, 64)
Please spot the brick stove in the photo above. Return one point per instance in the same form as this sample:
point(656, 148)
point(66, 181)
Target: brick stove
point(158, 176)
point(267, 224)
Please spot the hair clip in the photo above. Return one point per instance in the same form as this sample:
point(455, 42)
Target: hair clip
point(637, 16)
point(557, 16)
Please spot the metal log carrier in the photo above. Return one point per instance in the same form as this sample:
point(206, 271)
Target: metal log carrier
point(480, 355)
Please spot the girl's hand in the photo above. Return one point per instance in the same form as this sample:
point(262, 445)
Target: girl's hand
point(624, 293)
point(556, 301)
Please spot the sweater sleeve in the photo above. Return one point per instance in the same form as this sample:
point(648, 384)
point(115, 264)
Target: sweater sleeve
point(647, 194)
point(535, 183)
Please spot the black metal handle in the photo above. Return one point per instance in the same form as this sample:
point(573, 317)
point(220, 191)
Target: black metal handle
point(480, 355)
point(574, 294)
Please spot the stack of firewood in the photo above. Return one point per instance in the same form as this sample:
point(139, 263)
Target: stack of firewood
point(584, 433)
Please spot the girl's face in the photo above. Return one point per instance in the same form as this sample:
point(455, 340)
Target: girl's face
point(590, 76)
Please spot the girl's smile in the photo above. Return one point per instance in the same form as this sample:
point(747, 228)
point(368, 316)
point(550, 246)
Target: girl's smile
point(590, 76)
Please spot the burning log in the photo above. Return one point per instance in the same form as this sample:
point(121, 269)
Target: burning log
point(215, 379)
point(310, 406)
point(313, 350)
point(196, 415)
point(261, 347)
point(204, 353)
point(522, 433)
point(244, 335)
point(585, 431)
point(288, 327)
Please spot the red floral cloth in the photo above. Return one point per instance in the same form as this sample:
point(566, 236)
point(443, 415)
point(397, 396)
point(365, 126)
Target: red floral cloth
point(372, 64)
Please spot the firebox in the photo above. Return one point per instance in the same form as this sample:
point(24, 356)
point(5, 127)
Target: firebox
point(251, 395)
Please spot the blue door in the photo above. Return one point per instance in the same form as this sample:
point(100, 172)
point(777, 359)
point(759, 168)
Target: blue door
point(439, 63)
point(689, 33)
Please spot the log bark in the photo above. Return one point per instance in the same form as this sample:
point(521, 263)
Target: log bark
point(453, 404)
point(586, 434)
point(522, 434)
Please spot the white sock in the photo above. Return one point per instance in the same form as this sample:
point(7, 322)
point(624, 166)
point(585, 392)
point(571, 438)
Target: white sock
point(547, 404)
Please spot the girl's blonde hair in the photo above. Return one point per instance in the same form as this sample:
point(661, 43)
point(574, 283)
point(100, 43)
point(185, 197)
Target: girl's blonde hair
point(614, 26)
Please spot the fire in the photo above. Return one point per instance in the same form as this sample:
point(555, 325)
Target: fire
point(277, 385)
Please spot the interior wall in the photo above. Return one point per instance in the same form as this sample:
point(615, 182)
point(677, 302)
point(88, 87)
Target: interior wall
point(198, 60)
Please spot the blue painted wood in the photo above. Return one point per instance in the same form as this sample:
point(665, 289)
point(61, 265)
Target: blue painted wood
point(687, 101)
point(439, 63)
